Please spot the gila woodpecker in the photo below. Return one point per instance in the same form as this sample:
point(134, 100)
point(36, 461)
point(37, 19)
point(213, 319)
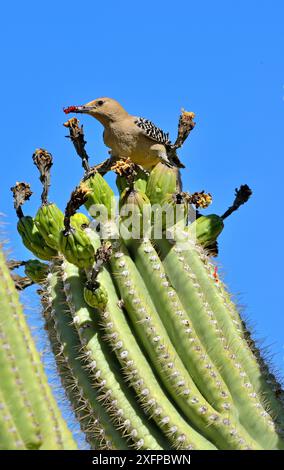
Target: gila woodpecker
point(130, 136)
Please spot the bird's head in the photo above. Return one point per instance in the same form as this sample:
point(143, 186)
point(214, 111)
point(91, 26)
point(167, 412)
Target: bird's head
point(103, 109)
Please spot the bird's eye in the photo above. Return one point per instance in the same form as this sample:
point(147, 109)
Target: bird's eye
point(100, 103)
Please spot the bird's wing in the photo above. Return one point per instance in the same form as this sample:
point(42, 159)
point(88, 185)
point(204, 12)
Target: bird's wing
point(153, 132)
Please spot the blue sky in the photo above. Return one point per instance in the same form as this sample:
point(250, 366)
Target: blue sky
point(223, 60)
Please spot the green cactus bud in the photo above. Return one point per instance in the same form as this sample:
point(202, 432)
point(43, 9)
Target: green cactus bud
point(79, 219)
point(49, 221)
point(96, 297)
point(140, 182)
point(206, 229)
point(36, 270)
point(33, 240)
point(135, 213)
point(162, 181)
point(77, 248)
point(101, 196)
point(170, 212)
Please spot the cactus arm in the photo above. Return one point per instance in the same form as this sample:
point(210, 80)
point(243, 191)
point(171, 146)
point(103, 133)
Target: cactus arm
point(52, 427)
point(83, 413)
point(153, 335)
point(217, 297)
point(138, 372)
point(126, 416)
point(181, 331)
point(35, 412)
point(252, 416)
point(14, 395)
point(233, 330)
point(10, 438)
point(104, 435)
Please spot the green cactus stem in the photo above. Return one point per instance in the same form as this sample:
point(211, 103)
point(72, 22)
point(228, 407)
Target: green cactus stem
point(113, 392)
point(138, 372)
point(148, 326)
point(214, 334)
point(181, 331)
point(234, 333)
point(88, 420)
point(10, 438)
point(93, 418)
point(24, 385)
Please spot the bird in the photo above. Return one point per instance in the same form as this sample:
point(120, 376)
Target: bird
point(130, 137)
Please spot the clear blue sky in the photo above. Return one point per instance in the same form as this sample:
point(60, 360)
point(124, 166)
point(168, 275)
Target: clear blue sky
point(222, 59)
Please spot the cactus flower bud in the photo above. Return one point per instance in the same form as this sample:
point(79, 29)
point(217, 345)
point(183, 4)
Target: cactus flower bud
point(33, 240)
point(77, 248)
point(36, 270)
point(206, 229)
point(162, 181)
point(49, 221)
point(96, 297)
point(100, 202)
point(140, 181)
point(135, 214)
point(78, 220)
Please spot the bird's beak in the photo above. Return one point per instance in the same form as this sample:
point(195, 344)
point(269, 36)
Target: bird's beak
point(79, 109)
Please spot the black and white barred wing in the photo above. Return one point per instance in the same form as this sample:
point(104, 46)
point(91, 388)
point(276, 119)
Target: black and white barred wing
point(152, 131)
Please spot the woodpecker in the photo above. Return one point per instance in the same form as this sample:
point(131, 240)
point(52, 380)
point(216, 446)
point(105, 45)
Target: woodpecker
point(130, 136)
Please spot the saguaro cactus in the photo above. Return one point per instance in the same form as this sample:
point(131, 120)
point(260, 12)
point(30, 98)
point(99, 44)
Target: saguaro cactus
point(29, 415)
point(151, 350)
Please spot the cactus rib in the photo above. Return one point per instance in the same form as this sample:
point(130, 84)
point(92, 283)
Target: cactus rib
point(10, 438)
point(171, 370)
point(181, 330)
point(98, 428)
point(24, 383)
point(138, 372)
point(211, 333)
point(115, 396)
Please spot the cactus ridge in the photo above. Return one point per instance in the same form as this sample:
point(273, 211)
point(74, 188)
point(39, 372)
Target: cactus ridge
point(180, 328)
point(24, 386)
point(242, 351)
point(179, 384)
point(89, 423)
point(139, 374)
point(267, 384)
point(10, 438)
point(114, 395)
point(65, 342)
point(215, 334)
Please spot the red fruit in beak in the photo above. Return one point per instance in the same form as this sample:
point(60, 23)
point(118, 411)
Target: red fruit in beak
point(70, 109)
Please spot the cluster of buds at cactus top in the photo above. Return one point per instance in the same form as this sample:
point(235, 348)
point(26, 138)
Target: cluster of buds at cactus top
point(144, 332)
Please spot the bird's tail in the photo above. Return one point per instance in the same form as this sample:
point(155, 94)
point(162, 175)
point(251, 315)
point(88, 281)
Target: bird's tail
point(179, 181)
point(174, 159)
